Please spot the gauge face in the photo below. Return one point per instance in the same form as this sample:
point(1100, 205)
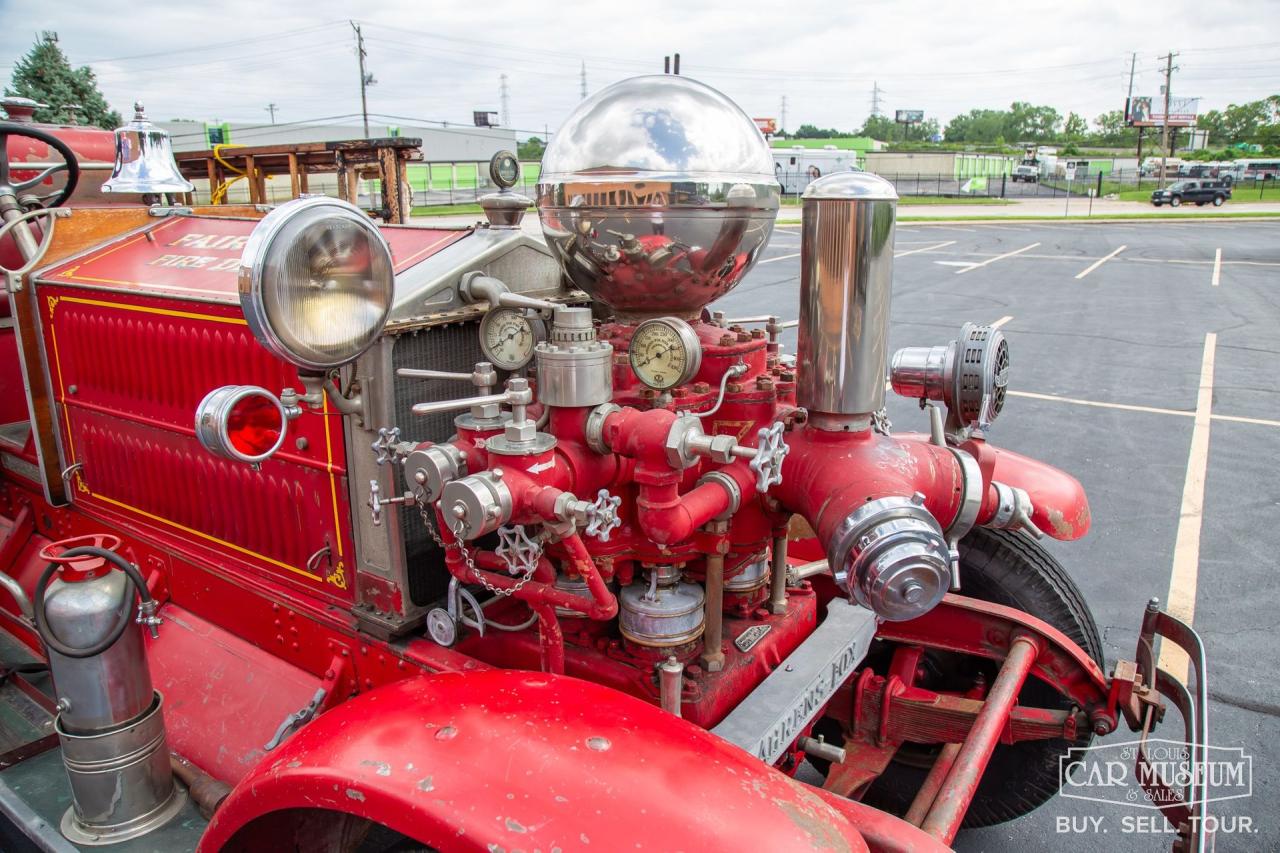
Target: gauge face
point(665, 352)
point(504, 169)
point(508, 337)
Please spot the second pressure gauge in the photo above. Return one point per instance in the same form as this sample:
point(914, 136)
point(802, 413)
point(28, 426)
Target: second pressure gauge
point(508, 336)
point(665, 352)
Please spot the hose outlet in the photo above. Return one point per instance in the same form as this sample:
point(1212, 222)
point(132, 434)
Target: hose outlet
point(890, 555)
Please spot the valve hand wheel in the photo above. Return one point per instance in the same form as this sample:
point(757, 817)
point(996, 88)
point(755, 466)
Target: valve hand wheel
point(69, 164)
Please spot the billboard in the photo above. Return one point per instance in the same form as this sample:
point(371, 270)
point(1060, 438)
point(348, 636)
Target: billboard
point(1146, 111)
point(767, 126)
point(484, 118)
point(908, 116)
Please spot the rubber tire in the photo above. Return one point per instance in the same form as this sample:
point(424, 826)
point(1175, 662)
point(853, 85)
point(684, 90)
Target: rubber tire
point(1200, 204)
point(1157, 203)
point(1176, 201)
point(1015, 570)
point(1218, 200)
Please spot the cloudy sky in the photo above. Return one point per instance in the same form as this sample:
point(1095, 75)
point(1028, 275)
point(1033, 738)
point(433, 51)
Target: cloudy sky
point(439, 61)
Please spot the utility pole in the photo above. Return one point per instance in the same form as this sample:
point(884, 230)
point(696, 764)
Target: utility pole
point(1164, 127)
point(506, 113)
point(365, 77)
point(582, 80)
point(875, 98)
point(1128, 109)
point(782, 126)
point(271, 108)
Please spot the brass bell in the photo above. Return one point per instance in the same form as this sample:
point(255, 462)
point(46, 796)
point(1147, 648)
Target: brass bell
point(144, 160)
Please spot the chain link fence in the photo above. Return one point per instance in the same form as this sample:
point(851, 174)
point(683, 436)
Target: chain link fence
point(457, 183)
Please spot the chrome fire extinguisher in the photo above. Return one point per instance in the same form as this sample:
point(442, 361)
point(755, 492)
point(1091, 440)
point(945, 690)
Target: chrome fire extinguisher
point(110, 721)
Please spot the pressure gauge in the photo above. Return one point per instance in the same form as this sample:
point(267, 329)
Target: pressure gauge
point(665, 352)
point(508, 336)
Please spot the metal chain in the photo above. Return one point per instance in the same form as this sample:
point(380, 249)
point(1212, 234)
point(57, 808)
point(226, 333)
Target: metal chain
point(469, 559)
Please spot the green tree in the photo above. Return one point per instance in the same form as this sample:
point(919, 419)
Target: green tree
point(1076, 127)
point(531, 148)
point(1031, 123)
point(45, 75)
point(977, 126)
point(808, 131)
point(1112, 130)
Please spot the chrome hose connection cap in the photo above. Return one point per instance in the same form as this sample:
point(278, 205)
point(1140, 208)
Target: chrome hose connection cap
point(891, 556)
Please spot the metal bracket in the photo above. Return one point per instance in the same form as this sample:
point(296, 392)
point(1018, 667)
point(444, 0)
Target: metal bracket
point(147, 616)
point(771, 449)
point(297, 719)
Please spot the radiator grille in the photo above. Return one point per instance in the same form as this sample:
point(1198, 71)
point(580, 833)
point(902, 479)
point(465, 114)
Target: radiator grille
point(456, 348)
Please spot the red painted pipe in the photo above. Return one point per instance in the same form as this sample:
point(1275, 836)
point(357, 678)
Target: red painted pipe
point(947, 812)
point(551, 638)
point(880, 830)
point(1060, 506)
point(603, 605)
point(932, 784)
point(828, 475)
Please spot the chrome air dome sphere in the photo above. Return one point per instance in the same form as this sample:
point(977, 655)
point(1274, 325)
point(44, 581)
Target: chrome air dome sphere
point(657, 195)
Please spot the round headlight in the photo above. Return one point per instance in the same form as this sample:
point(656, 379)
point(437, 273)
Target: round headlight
point(316, 282)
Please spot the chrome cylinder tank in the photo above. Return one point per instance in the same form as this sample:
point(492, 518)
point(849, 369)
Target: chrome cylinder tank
point(121, 780)
point(108, 689)
point(846, 279)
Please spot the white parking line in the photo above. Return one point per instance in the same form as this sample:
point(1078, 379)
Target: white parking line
point(1152, 410)
point(998, 323)
point(1099, 262)
point(1181, 601)
point(779, 258)
point(1217, 267)
point(925, 249)
point(1123, 406)
point(997, 258)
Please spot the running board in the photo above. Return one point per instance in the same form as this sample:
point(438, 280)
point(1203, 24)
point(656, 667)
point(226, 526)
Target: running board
point(775, 713)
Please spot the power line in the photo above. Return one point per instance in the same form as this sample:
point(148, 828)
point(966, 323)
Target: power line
point(188, 49)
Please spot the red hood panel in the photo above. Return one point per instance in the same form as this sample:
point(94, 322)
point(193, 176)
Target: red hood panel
point(197, 258)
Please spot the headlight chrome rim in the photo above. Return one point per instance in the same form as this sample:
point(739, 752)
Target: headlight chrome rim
point(253, 262)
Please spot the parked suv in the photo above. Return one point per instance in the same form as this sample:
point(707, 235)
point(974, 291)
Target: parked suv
point(1201, 192)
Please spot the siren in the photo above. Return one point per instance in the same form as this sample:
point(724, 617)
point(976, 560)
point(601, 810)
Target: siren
point(144, 160)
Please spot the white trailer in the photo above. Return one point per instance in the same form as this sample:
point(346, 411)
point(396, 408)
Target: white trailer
point(797, 166)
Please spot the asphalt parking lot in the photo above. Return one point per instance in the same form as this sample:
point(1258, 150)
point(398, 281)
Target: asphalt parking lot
point(1146, 362)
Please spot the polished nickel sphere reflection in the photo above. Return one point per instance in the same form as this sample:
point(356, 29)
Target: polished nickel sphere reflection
point(657, 195)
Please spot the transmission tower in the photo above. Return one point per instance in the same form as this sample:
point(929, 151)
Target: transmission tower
point(875, 98)
point(782, 120)
point(506, 112)
point(582, 80)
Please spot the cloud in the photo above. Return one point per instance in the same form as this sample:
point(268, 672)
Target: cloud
point(188, 59)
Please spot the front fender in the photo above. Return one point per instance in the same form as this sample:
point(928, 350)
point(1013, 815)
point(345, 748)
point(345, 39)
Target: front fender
point(516, 760)
point(1061, 506)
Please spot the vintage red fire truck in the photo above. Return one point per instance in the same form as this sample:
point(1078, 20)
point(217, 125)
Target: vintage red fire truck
point(320, 534)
